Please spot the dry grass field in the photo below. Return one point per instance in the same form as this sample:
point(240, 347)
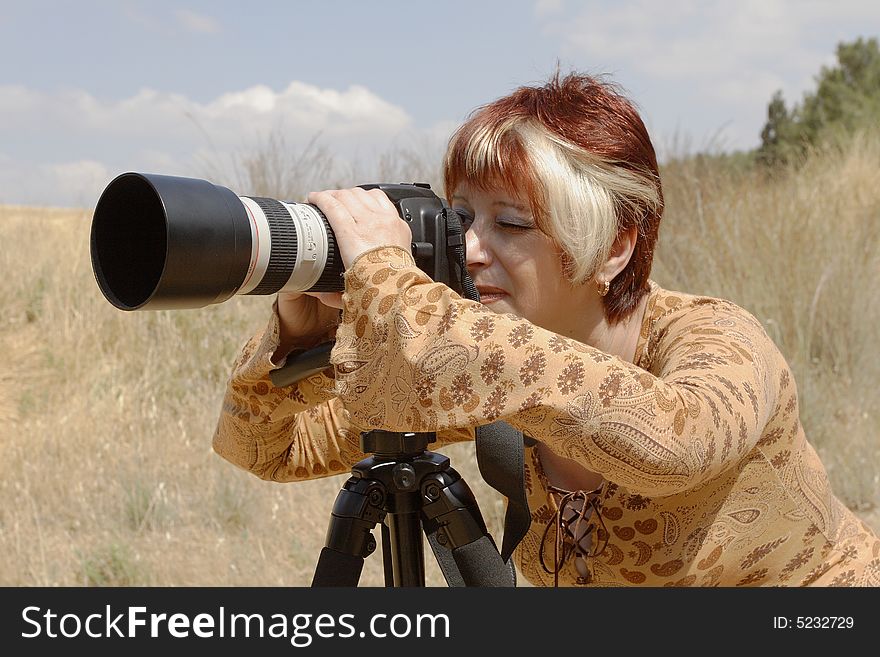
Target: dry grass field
point(106, 471)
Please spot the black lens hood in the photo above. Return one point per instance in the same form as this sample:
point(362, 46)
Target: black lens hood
point(165, 242)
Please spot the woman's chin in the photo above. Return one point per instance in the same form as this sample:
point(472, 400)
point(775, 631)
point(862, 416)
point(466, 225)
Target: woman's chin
point(492, 300)
point(498, 304)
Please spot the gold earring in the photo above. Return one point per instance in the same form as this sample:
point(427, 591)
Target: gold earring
point(603, 288)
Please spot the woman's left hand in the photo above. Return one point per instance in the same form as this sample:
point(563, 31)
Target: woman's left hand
point(362, 220)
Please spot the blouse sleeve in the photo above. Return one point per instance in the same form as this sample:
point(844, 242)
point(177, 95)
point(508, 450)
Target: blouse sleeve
point(289, 433)
point(411, 354)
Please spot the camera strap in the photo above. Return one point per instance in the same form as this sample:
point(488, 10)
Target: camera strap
point(455, 252)
point(501, 458)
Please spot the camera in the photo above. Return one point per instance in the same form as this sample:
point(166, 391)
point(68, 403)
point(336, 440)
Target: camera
point(167, 242)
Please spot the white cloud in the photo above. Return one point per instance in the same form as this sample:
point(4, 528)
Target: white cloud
point(68, 140)
point(352, 112)
point(441, 131)
point(195, 22)
point(169, 23)
point(727, 58)
point(77, 181)
point(678, 39)
point(70, 184)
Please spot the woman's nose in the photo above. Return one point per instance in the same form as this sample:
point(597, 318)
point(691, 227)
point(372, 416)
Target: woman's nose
point(476, 248)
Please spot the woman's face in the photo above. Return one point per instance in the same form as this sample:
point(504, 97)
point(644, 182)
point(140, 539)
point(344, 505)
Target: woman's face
point(516, 267)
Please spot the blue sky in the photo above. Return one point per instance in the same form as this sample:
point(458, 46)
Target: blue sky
point(90, 89)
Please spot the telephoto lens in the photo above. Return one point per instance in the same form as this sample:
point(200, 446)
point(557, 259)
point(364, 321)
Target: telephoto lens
point(165, 242)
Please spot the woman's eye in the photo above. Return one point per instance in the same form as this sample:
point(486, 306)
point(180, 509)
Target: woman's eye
point(514, 225)
point(508, 224)
point(466, 219)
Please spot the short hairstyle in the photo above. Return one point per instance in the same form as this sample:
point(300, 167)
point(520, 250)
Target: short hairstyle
point(578, 151)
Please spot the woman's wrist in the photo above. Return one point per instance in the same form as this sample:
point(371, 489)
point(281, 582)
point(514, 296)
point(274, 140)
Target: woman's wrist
point(302, 327)
point(391, 253)
point(290, 343)
point(289, 340)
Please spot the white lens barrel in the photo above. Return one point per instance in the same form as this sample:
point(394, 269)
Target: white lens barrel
point(309, 236)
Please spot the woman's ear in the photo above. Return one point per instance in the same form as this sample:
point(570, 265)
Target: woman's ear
point(621, 252)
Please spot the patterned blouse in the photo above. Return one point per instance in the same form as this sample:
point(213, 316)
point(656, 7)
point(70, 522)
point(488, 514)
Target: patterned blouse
point(710, 480)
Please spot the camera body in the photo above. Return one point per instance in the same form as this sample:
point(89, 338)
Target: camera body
point(438, 237)
point(166, 242)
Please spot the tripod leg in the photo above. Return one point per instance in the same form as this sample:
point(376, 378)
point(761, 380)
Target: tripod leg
point(386, 556)
point(408, 559)
point(455, 526)
point(358, 508)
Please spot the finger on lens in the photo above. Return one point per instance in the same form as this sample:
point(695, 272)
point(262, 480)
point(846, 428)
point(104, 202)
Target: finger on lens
point(324, 199)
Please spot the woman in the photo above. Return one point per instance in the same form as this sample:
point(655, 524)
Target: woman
point(667, 445)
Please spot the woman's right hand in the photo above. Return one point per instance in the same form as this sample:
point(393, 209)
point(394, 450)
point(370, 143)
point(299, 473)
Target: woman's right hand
point(306, 319)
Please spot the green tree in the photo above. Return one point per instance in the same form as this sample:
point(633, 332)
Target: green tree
point(778, 133)
point(847, 97)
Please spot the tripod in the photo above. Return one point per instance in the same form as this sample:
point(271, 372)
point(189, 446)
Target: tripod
point(409, 490)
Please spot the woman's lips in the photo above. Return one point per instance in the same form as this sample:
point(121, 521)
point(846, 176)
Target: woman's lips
point(490, 294)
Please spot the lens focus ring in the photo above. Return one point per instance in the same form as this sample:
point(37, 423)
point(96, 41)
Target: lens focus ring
point(282, 258)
